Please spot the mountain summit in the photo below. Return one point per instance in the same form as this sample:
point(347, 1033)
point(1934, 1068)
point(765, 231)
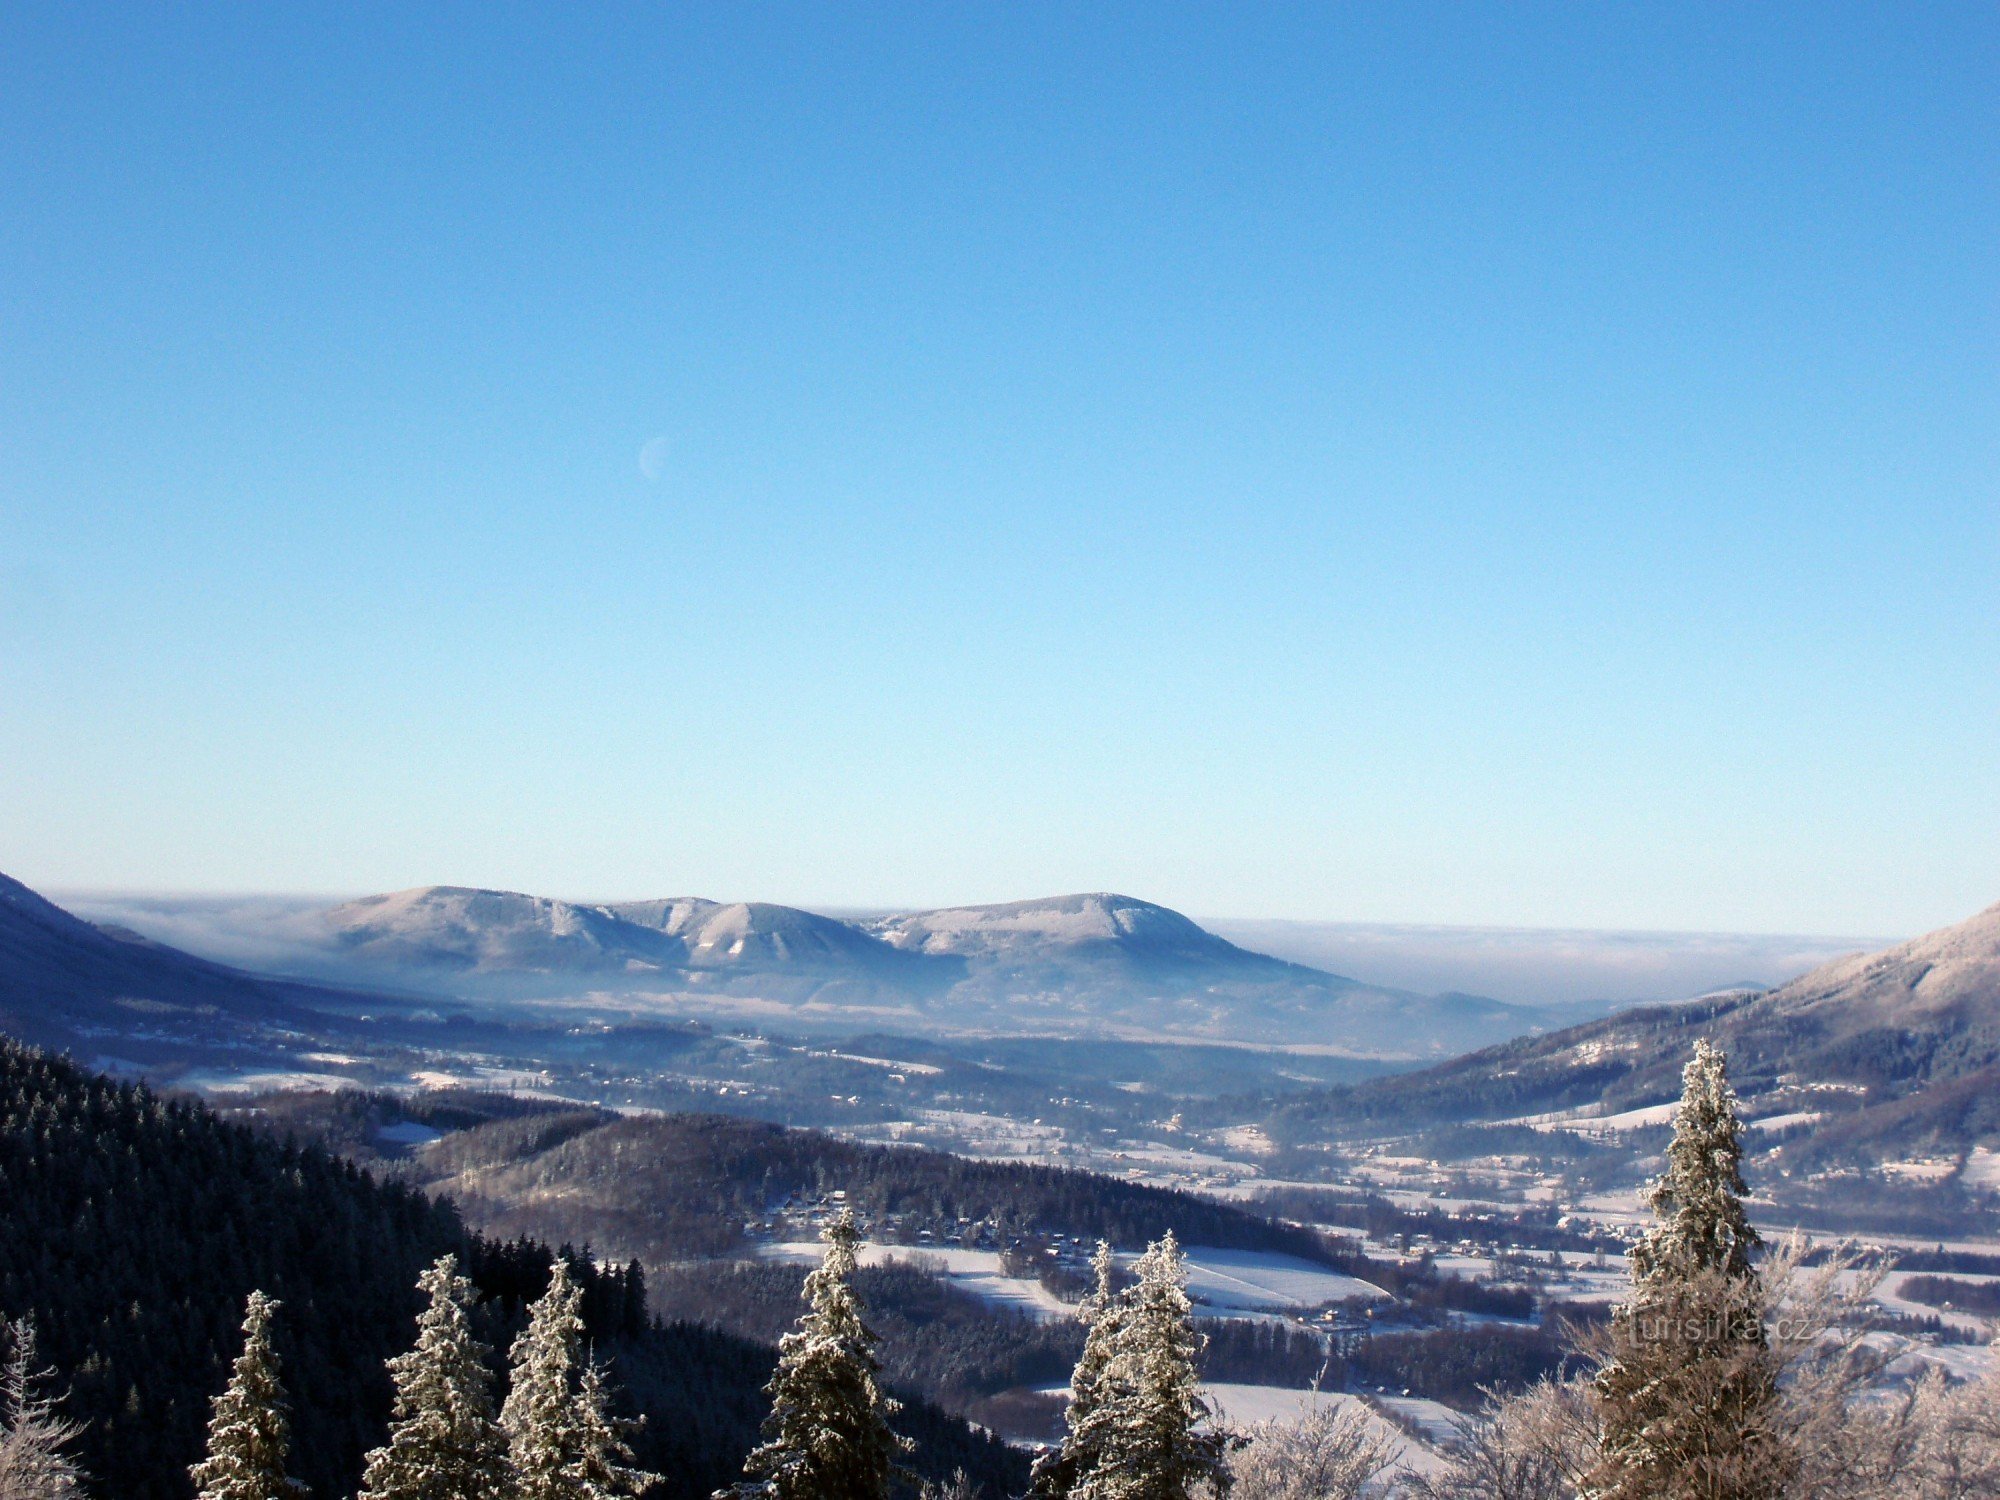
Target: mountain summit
point(1037, 930)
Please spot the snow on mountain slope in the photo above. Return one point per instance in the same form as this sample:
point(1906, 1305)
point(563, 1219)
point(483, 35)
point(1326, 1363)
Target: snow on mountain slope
point(1060, 925)
point(1094, 964)
point(747, 932)
point(456, 927)
point(1922, 980)
point(1872, 1058)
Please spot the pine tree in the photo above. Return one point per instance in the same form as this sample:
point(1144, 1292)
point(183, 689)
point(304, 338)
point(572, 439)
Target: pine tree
point(828, 1435)
point(249, 1431)
point(1060, 1470)
point(33, 1463)
point(1687, 1401)
point(562, 1442)
point(443, 1441)
point(1148, 1425)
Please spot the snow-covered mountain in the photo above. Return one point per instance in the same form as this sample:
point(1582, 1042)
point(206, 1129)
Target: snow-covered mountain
point(1867, 1061)
point(748, 933)
point(1095, 964)
point(1063, 926)
point(460, 928)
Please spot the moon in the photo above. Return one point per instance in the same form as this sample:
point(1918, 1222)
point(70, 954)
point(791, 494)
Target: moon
point(653, 457)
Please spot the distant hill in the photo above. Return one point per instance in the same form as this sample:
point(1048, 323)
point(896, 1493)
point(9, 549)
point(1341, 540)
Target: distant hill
point(1095, 965)
point(1099, 925)
point(664, 1188)
point(1116, 965)
point(1867, 1059)
point(457, 928)
point(64, 982)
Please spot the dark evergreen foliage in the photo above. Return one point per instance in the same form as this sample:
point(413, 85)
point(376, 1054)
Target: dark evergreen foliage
point(132, 1227)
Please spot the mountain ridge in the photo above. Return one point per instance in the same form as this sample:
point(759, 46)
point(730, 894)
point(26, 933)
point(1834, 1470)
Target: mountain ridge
point(1093, 964)
point(1088, 963)
point(1874, 1057)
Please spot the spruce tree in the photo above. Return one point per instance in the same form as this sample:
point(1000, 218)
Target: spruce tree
point(1148, 1426)
point(1687, 1400)
point(828, 1435)
point(1058, 1471)
point(562, 1442)
point(443, 1441)
point(1697, 1203)
point(249, 1430)
point(602, 1468)
point(539, 1415)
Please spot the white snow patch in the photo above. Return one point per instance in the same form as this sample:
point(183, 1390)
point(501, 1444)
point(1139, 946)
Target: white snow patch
point(1256, 1280)
point(408, 1133)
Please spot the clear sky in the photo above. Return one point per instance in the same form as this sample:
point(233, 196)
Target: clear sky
point(1505, 464)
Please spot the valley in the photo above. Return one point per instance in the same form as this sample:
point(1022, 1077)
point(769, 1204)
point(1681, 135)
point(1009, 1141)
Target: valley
point(1406, 1233)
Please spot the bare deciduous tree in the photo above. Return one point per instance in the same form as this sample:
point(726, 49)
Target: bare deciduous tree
point(1536, 1445)
point(33, 1437)
point(1329, 1452)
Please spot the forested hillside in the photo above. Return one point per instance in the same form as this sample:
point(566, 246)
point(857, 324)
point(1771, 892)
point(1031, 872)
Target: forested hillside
point(132, 1227)
point(666, 1187)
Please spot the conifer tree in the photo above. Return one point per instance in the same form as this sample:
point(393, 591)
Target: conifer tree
point(1697, 1203)
point(828, 1435)
point(443, 1441)
point(562, 1442)
point(1148, 1425)
point(602, 1468)
point(33, 1437)
point(1688, 1399)
point(249, 1430)
point(1058, 1471)
point(539, 1416)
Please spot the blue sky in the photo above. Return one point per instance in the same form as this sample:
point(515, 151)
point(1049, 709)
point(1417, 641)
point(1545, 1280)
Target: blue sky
point(1527, 465)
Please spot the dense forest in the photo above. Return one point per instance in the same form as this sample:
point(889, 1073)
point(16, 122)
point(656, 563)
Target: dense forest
point(669, 1187)
point(132, 1227)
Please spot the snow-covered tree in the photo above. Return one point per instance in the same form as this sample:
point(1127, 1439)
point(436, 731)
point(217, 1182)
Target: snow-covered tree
point(1328, 1452)
point(249, 1428)
point(1533, 1445)
point(1956, 1452)
point(1150, 1429)
point(562, 1442)
point(539, 1416)
point(1688, 1399)
point(602, 1468)
point(828, 1435)
point(33, 1436)
point(1102, 1313)
point(443, 1441)
point(1697, 1203)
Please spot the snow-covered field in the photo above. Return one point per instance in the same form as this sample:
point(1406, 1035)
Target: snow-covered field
point(1243, 1406)
point(1890, 1295)
point(974, 1271)
point(1255, 1281)
point(1224, 1283)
